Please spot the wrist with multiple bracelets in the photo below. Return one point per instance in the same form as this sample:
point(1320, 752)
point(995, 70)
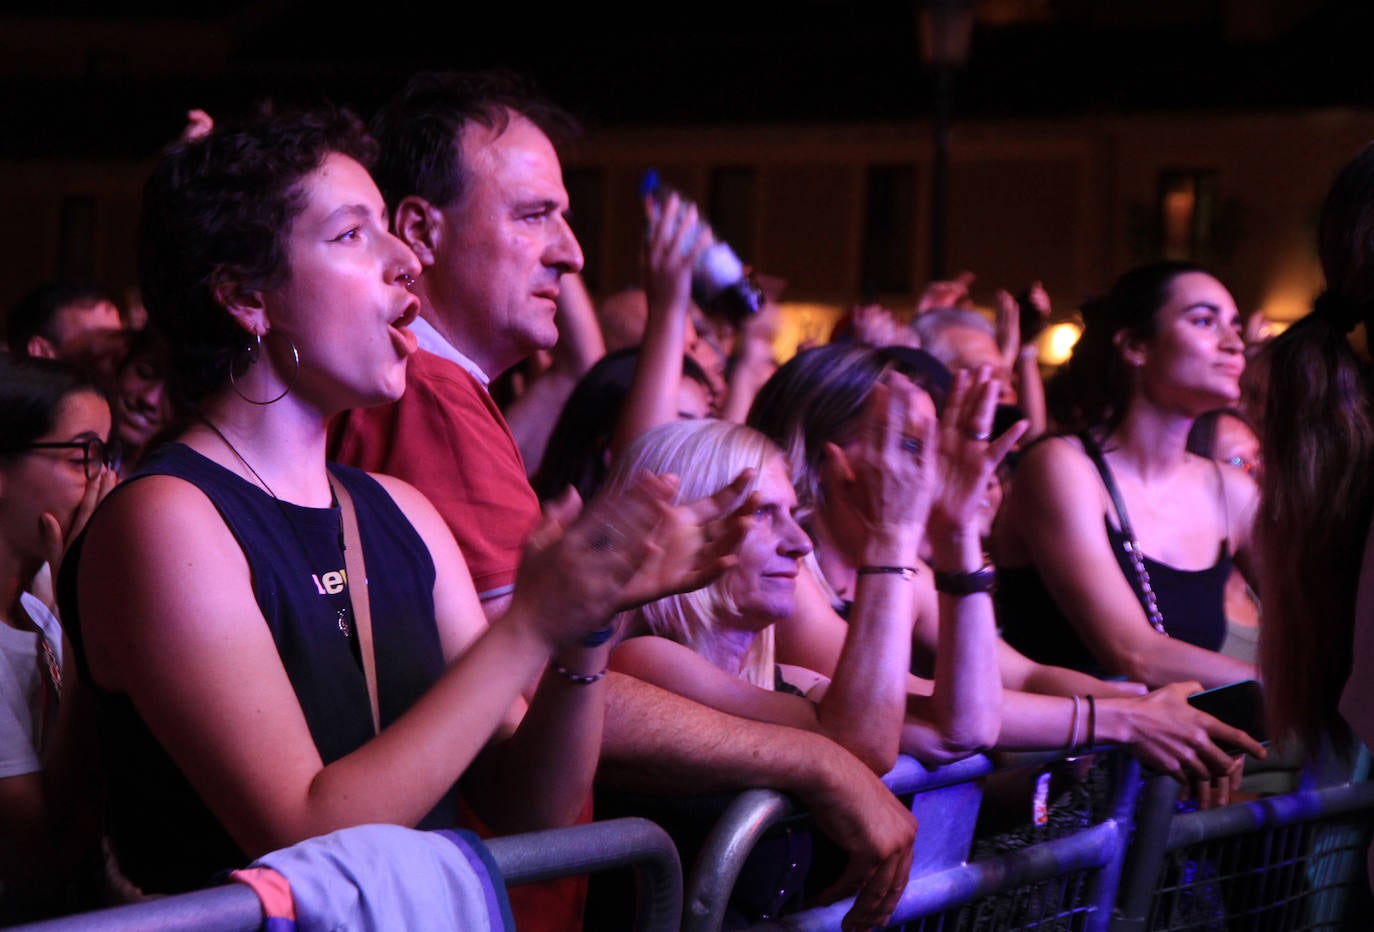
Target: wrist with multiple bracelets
point(1091, 737)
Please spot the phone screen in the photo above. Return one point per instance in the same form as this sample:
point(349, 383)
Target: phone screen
point(1240, 705)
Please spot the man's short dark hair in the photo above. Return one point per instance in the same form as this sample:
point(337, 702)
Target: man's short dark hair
point(218, 210)
point(420, 129)
point(36, 313)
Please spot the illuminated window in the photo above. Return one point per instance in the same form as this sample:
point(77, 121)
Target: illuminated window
point(1187, 213)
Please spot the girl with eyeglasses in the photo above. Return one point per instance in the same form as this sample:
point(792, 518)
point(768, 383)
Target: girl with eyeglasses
point(53, 428)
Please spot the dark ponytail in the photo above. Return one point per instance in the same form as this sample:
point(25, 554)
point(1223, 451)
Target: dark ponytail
point(1317, 502)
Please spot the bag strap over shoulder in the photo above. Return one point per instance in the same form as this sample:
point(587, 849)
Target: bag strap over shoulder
point(1094, 452)
point(1141, 583)
point(358, 594)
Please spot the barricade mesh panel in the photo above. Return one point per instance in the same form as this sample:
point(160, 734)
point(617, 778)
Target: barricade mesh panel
point(1059, 904)
point(1305, 876)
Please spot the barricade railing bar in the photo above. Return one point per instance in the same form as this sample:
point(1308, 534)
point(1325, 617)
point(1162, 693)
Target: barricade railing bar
point(1293, 861)
point(526, 858)
point(1286, 862)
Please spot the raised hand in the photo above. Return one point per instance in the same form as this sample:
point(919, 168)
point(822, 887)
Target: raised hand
point(888, 478)
point(950, 293)
point(577, 561)
point(1008, 327)
point(56, 538)
point(692, 543)
point(876, 326)
point(670, 253)
point(968, 453)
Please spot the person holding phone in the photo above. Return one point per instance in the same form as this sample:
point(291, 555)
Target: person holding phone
point(1117, 542)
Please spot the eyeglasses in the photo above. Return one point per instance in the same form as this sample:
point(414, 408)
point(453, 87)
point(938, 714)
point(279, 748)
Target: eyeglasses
point(1241, 462)
point(94, 453)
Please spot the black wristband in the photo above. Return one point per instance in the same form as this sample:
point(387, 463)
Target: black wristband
point(959, 584)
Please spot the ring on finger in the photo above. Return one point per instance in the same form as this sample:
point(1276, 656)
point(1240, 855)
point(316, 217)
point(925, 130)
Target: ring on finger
point(912, 445)
point(979, 435)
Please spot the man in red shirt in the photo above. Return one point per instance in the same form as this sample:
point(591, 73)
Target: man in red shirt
point(474, 185)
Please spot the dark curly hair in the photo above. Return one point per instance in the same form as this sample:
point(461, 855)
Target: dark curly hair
point(420, 129)
point(218, 210)
point(1092, 388)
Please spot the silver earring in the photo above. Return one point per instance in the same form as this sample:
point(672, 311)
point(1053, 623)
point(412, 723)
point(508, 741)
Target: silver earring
point(251, 354)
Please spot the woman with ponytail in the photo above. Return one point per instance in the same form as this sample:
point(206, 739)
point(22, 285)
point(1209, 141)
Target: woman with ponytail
point(1116, 542)
point(1317, 633)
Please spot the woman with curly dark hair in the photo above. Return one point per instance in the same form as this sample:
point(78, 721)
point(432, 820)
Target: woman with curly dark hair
point(1117, 542)
point(279, 648)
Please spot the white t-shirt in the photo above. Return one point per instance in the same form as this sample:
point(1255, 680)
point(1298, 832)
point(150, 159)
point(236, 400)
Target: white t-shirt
point(21, 688)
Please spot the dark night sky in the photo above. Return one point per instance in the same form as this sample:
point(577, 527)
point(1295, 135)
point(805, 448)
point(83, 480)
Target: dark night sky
point(767, 61)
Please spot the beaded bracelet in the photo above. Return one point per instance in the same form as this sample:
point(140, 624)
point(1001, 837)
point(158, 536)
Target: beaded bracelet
point(581, 679)
point(906, 572)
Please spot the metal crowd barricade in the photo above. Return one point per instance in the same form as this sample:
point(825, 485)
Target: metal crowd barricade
point(1289, 862)
point(1066, 883)
point(527, 858)
point(945, 804)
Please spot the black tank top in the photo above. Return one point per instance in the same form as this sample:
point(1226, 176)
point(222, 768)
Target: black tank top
point(1191, 601)
point(166, 838)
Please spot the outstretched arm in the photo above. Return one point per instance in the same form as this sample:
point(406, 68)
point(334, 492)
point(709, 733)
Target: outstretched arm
point(531, 416)
point(667, 263)
point(200, 666)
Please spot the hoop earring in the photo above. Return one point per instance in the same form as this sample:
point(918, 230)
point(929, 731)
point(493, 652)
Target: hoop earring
point(251, 354)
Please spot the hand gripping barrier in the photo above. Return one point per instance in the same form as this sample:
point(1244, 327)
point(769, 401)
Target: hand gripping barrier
point(945, 804)
point(527, 858)
point(1065, 883)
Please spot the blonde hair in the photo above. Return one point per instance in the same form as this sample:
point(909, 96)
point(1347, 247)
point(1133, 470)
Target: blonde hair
point(706, 455)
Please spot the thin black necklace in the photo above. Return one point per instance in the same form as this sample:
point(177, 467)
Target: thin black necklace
point(343, 613)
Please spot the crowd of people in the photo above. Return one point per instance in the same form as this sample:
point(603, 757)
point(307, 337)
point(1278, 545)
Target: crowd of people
point(365, 525)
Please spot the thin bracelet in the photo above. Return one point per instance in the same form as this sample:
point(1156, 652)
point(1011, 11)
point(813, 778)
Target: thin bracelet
point(1092, 718)
point(1073, 732)
point(906, 572)
point(581, 679)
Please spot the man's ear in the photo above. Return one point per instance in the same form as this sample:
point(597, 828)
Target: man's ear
point(40, 347)
point(244, 304)
point(419, 225)
point(1131, 348)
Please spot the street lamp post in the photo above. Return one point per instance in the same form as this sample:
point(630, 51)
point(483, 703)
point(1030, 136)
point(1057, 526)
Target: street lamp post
point(945, 27)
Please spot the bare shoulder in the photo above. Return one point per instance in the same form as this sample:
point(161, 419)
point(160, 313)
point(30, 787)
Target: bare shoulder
point(1242, 496)
point(152, 515)
point(1056, 471)
point(1051, 455)
point(159, 567)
